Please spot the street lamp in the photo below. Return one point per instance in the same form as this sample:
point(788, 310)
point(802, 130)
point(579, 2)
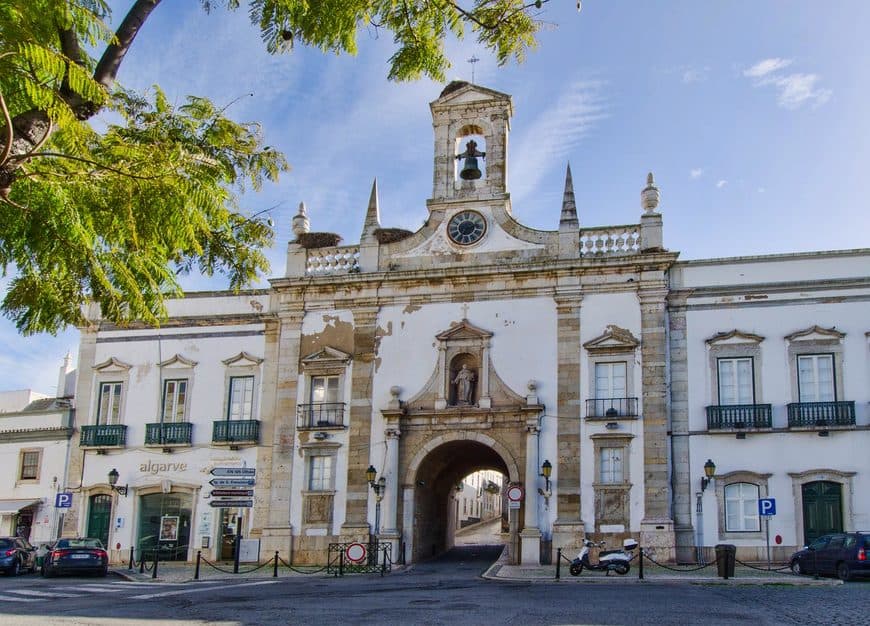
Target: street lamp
point(378, 486)
point(546, 471)
point(709, 473)
point(113, 482)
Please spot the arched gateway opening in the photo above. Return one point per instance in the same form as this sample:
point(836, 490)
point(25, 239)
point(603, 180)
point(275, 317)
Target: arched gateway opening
point(431, 495)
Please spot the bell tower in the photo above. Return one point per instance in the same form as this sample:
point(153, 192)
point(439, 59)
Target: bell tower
point(471, 125)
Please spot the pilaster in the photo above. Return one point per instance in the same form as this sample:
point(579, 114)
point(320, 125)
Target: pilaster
point(680, 442)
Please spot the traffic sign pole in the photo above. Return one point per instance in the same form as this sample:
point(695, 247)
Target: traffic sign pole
point(767, 524)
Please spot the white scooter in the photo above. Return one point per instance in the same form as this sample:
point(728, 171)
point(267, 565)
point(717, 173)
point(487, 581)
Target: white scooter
point(608, 560)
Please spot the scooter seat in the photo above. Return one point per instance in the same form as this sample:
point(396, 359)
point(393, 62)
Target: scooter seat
point(606, 552)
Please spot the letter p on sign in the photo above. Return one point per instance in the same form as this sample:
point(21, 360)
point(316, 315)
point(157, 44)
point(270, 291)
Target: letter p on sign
point(767, 506)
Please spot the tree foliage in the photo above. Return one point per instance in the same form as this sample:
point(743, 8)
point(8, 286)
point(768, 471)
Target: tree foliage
point(113, 216)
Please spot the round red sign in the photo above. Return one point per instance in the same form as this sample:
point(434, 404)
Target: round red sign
point(355, 552)
point(515, 493)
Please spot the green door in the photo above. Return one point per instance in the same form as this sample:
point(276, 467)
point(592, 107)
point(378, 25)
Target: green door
point(823, 509)
point(99, 514)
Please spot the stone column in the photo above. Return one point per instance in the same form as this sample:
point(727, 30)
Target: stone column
point(657, 526)
point(530, 536)
point(356, 526)
point(390, 504)
point(568, 529)
point(275, 455)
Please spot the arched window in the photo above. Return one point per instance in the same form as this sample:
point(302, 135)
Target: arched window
point(741, 508)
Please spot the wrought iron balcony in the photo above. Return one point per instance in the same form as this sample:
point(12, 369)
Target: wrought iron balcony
point(236, 431)
point(320, 415)
point(611, 407)
point(103, 436)
point(168, 434)
point(821, 414)
point(724, 416)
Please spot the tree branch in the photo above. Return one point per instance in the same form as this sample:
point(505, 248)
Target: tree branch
point(100, 166)
point(470, 15)
point(108, 65)
point(10, 132)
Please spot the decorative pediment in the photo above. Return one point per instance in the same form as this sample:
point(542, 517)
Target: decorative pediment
point(461, 92)
point(326, 357)
point(242, 359)
point(463, 330)
point(112, 365)
point(733, 336)
point(615, 339)
point(178, 362)
point(816, 333)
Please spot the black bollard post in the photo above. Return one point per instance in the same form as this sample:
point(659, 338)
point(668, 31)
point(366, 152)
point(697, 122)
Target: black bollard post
point(236, 554)
point(130, 566)
point(341, 563)
point(198, 558)
point(815, 565)
point(275, 571)
point(640, 563)
point(156, 560)
point(383, 561)
point(558, 561)
point(141, 561)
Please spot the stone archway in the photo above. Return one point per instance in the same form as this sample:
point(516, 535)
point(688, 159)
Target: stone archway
point(429, 481)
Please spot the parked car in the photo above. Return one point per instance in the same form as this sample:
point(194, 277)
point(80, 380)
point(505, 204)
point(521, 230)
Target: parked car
point(845, 555)
point(16, 554)
point(72, 556)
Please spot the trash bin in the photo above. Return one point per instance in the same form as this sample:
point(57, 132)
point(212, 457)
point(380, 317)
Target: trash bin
point(726, 553)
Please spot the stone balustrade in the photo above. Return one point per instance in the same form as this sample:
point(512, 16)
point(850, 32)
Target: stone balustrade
point(610, 240)
point(335, 260)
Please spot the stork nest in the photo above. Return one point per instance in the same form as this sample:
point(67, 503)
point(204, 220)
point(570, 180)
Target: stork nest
point(318, 240)
point(391, 235)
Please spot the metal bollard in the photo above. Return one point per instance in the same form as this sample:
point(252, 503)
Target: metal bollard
point(141, 561)
point(275, 570)
point(640, 563)
point(130, 566)
point(558, 561)
point(341, 563)
point(156, 560)
point(198, 558)
point(236, 554)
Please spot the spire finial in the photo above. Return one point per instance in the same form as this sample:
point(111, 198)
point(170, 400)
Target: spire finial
point(301, 224)
point(373, 215)
point(650, 196)
point(568, 219)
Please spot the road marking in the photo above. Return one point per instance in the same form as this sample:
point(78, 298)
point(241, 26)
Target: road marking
point(41, 594)
point(9, 599)
point(148, 596)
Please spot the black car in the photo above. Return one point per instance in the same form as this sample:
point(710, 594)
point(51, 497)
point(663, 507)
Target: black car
point(16, 554)
point(845, 555)
point(72, 556)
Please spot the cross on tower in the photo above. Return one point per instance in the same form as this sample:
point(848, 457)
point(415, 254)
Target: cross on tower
point(464, 308)
point(472, 61)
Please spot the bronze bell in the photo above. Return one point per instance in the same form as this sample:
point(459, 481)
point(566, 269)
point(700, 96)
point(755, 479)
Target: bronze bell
point(470, 170)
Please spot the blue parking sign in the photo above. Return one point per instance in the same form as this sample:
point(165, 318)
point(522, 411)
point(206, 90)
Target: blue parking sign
point(767, 506)
point(63, 500)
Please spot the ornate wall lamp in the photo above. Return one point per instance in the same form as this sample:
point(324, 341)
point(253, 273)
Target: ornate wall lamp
point(378, 485)
point(709, 473)
point(113, 482)
point(546, 471)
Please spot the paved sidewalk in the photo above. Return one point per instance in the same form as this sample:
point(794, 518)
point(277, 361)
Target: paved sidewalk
point(177, 572)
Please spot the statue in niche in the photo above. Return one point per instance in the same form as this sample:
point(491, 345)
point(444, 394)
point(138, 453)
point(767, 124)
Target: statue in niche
point(464, 382)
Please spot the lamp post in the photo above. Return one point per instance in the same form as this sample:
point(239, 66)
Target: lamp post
point(113, 483)
point(709, 473)
point(378, 485)
point(546, 471)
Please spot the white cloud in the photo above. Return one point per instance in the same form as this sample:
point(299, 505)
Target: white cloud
point(767, 66)
point(721, 183)
point(694, 74)
point(795, 89)
point(696, 173)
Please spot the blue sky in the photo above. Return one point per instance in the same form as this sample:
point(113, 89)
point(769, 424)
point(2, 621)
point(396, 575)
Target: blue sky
point(753, 115)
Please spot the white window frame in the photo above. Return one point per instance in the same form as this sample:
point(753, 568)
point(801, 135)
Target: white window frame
point(246, 405)
point(170, 400)
point(331, 392)
point(746, 499)
point(114, 406)
point(321, 472)
point(811, 390)
point(740, 384)
point(609, 367)
point(611, 465)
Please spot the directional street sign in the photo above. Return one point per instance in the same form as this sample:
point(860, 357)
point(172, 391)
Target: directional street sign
point(232, 482)
point(232, 493)
point(767, 506)
point(231, 504)
point(233, 471)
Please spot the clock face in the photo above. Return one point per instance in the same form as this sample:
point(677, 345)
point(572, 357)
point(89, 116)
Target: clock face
point(466, 228)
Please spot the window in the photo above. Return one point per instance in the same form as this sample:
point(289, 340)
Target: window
point(611, 465)
point(610, 380)
point(320, 473)
point(735, 381)
point(741, 507)
point(109, 407)
point(174, 400)
point(30, 465)
point(241, 402)
point(816, 378)
point(324, 389)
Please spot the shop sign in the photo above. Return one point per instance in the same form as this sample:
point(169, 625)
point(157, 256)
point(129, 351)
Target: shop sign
point(233, 471)
point(231, 504)
point(232, 493)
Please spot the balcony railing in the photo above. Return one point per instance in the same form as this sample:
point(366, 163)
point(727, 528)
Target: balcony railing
point(167, 434)
point(236, 431)
point(821, 414)
point(103, 436)
point(320, 415)
point(738, 416)
point(611, 407)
